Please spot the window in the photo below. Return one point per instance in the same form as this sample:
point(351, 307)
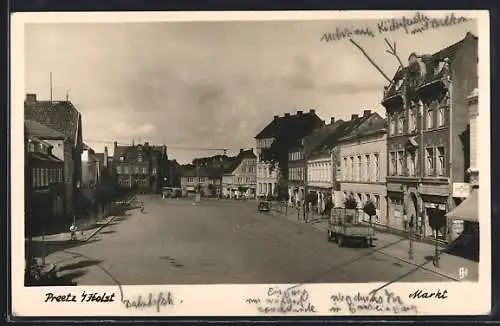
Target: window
point(411, 163)
point(392, 124)
point(430, 120)
point(429, 166)
point(139, 158)
point(358, 169)
point(125, 169)
point(344, 168)
point(393, 160)
point(201, 179)
point(412, 121)
point(190, 179)
point(31, 147)
point(367, 168)
point(440, 117)
point(118, 170)
point(136, 170)
point(400, 163)
point(45, 177)
point(33, 177)
point(377, 167)
point(401, 123)
point(440, 167)
point(352, 174)
point(376, 201)
point(122, 158)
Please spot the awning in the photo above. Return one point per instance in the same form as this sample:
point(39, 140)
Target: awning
point(468, 210)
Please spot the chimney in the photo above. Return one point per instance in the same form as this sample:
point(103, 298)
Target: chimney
point(354, 116)
point(300, 112)
point(287, 115)
point(115, 145)
point(146, 144)
point(241, 150)
point(367, 113)
point(133, 143)
point(312, 111)
point(30, 98)
point(332, 120)
point(276, 117)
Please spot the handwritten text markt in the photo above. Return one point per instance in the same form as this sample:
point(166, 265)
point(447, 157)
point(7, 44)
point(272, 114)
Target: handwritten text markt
point(418, 24)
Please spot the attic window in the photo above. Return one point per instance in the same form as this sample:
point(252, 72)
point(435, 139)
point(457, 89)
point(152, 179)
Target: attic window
point(122, 158)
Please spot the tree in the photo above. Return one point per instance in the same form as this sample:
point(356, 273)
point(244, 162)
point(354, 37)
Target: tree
point(350, 203)
point(370, 209)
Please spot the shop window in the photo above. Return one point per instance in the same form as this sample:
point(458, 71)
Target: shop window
point(440, 166)
point(429, 166)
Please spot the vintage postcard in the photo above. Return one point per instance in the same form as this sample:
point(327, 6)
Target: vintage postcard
point(250, 163)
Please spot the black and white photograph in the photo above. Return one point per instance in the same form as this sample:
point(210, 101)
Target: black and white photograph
point(285, 163)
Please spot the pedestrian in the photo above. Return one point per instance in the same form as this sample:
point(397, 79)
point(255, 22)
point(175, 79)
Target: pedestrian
point(72, 230)
point(142, 207)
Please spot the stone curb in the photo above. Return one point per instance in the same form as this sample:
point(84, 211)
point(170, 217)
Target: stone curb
point(99, 229)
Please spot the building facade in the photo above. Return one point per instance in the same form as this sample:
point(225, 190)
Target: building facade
point(64, 118)
point(427, 142)
point(44, 190)
point(140, 167)
point(289, 129)
point(198, 179)
point(363, 156)
point(241, 180)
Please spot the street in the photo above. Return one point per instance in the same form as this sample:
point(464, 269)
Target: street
point(176, 242)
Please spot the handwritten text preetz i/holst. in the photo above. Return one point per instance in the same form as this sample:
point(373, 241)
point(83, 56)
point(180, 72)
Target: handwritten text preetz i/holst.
point(417, 24)
point(377, 303)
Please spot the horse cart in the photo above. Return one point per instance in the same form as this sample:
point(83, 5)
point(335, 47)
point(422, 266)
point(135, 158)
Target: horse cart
point(346, 225)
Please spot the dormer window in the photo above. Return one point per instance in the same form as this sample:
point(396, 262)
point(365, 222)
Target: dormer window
point(122, 158)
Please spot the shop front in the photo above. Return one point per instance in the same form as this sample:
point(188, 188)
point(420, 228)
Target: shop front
point(435, 209)
point(396, 212)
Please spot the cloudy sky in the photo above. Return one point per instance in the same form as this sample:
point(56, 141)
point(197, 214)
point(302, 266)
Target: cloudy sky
point(211, 84)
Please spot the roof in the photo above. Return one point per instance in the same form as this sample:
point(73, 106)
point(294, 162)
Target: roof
point(132, 152)
point(371, 125)
point(430, 61)
point(43, 157)
point(467, 210)
point(315, 139)
point(193, 172)
point(299, 125)
point(60, 116)
point(243, 154)
point(343, 129)
point(40, 131)
point(100, 157)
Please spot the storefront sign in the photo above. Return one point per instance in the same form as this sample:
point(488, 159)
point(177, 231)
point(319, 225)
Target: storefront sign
point(461, 189)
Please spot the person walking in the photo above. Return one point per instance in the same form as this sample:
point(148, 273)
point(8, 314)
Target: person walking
point(72, 230)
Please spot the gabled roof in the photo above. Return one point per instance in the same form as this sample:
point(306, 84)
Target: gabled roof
point(371, 125)
point(60, 116)
point(38, 130)
point(319, 135)
point(298, 125)
point(132, 152)
point(343, 129)
point(243, 154)
point(194, 172)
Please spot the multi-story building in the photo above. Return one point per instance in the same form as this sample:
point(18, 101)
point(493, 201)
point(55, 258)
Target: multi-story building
point(320, 168)
point(44, 190)
point(468, 210)
point(215, 166)
point(63, 117)
point(241, 178)
point(363, 164)
point(291, 128)
point(140, 167)
point(427, 141)
point(198, 179)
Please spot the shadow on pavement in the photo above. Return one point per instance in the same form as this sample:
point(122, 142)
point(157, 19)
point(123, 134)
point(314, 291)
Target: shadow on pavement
point(108, 232)
point(39, 248)
point(80, 264)
point(68, 279)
